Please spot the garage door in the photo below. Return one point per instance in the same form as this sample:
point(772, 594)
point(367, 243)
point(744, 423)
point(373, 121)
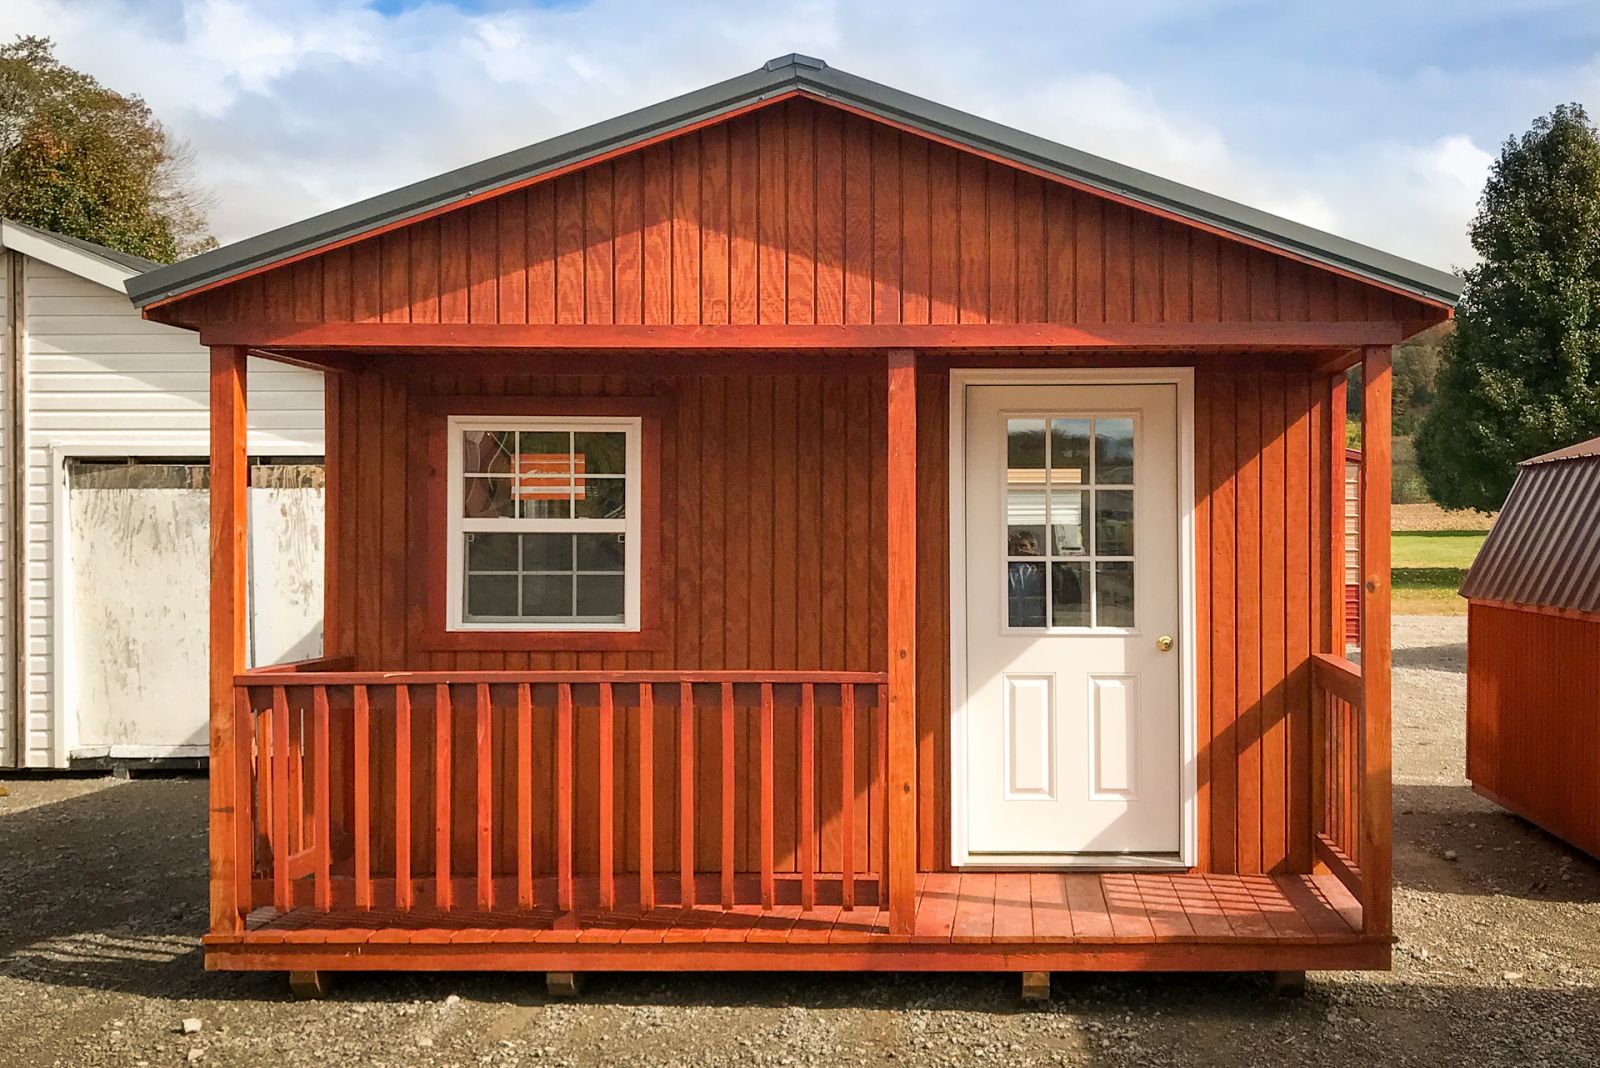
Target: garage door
point(135, 613)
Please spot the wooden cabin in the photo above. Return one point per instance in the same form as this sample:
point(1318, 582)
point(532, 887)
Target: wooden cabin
point(1533, 721)
point(801, 526)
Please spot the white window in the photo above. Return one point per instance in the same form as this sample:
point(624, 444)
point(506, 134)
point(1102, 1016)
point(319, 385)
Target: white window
point(544, 523)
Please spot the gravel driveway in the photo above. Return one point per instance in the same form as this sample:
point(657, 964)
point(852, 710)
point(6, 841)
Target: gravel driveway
point(102, 899)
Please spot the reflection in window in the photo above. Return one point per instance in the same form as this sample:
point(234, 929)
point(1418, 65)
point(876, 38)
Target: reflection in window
point(1070, 521)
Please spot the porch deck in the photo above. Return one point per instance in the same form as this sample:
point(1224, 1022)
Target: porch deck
point(963, 920)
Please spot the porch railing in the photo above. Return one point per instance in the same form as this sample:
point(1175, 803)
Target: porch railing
point(1338, 767)
point(559, 790)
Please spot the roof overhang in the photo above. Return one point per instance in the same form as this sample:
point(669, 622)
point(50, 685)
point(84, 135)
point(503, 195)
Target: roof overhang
point(780, 78)
point(72, 258)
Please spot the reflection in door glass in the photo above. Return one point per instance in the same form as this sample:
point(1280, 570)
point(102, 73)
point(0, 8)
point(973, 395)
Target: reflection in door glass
point(1069, 520)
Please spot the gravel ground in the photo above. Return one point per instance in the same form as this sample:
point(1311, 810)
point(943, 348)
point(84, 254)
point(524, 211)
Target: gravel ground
point(102, 902)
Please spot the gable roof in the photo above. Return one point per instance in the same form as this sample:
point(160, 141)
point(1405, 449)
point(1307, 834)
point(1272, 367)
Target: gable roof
point(790, 75)
point(97, 263)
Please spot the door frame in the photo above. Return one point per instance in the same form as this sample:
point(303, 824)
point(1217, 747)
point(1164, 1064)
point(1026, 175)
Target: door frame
point(1183, 378)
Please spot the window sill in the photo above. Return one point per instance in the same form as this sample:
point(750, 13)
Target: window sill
point(569, 641)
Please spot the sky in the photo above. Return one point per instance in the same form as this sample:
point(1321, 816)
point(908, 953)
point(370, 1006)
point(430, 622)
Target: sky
point(1373, 119)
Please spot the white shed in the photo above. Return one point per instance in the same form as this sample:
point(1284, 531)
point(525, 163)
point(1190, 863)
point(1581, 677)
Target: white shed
point(104, 518)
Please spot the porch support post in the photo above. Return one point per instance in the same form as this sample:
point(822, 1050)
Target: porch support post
point(902, 635)
point(1376, 824)
point(229, 511)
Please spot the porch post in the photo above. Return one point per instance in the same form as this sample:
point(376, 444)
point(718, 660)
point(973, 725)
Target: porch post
point(902, 634)
point(1376, 822)
point(229, 509)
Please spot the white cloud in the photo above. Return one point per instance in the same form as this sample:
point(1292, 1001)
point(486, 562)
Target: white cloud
point(297, 106)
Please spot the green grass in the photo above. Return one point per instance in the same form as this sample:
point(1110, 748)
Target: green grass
point(1428, 567)
point(1444, 549)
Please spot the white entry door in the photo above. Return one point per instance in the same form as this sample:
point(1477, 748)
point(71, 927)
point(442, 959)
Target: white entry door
point(1072, 728)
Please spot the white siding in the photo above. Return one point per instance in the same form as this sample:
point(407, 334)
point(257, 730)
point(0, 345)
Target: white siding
point(6, 667)
point(102, 381)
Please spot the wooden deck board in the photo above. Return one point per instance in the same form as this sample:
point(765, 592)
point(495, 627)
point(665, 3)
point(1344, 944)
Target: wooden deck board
point(1013, 910)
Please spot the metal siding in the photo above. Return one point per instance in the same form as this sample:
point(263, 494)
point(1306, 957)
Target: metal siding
point(1544, 550)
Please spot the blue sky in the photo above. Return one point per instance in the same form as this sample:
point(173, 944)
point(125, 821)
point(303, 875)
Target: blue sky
point(1376, 120)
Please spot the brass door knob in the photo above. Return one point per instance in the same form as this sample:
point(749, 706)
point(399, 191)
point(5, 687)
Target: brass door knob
point(1164, 643)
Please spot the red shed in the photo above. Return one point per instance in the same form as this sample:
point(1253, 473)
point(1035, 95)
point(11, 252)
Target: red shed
point(802, 526)
point(1533, 649)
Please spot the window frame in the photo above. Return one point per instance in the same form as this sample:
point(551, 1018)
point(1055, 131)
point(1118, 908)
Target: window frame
point(424, 569)
point(458, 526)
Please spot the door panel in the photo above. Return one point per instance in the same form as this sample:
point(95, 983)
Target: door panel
point(1072, 718)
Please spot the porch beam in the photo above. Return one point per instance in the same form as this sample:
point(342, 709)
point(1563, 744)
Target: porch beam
point(1376, 646)
point(279, 336)
point(902, 635)
point(229, 517)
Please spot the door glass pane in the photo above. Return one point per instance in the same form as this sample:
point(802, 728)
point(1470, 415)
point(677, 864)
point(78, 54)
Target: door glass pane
point(1067, 534)
point(1025, 450)
point(1113, 593)
point(1113, 451)
point(1025, 522)
point(1113, 522)
point(1069, 451)
point(1069, 594)
point(1025, 595)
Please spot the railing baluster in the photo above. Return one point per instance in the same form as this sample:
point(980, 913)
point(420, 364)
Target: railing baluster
point(608, 890)
point(361, 787)
point(485, 799)
point(768, 887)
point(847, 785)
point(442, 786)
point(564, 797)
point(525, 891)
point(727, 795)
point(808, 799)
point(266, 806)
point(280, 799)
point(686, 794)
point(404, 896)
point(647, 874)
point(322, 801)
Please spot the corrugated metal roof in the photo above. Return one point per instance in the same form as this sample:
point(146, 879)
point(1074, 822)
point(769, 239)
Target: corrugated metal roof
point(1582, 448)
point(1544, 549)
point(125, 260)
point(779, 77)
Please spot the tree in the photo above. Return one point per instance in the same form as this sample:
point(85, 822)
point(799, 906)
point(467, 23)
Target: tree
point(80, 159)
point(1521, 372)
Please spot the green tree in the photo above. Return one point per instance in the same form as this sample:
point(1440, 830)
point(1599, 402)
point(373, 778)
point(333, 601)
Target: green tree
point(1521, 372)
point(80, 159)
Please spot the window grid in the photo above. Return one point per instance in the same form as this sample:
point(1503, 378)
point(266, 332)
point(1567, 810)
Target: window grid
point(1088, 511)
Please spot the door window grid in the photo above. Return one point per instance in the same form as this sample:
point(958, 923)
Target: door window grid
point(1069, 522)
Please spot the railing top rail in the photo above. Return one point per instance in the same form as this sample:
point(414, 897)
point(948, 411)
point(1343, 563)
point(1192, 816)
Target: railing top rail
point(281, 677)
point(1339, 676)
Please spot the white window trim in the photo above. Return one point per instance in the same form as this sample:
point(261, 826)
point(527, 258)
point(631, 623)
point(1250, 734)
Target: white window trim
point(458, 526)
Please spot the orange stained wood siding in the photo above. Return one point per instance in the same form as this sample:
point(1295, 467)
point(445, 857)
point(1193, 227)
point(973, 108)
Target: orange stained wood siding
point(773, 557)
point(772, 497)
point(1533, 722)
point(797, 213)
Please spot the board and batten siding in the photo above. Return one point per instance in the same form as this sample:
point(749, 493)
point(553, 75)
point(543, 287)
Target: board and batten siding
point(101, 381)
point(797, 213)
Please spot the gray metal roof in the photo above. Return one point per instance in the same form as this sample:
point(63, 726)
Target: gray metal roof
point(125, 260)
point(1544, 550)
point(779, 77)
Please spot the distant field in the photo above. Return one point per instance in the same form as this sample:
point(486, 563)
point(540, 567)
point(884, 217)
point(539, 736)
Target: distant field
point(1428, 566)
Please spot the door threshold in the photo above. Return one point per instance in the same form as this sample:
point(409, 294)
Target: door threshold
point(1085, 862)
